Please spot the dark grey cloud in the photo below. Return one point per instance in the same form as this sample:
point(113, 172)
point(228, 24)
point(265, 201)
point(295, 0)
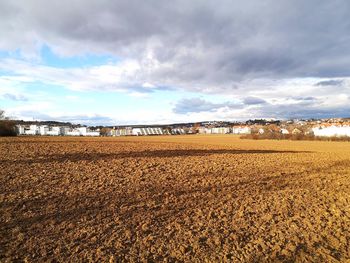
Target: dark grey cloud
point(292, 111)
point(253, 101)
point(200, 105)
point(330, 82)
point(201, 46)
point(299, 107)
point(217, 42)
point(309, 98)
point(308, 107)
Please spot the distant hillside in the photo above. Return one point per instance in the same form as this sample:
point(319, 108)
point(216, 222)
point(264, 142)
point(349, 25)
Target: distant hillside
point(51, 123)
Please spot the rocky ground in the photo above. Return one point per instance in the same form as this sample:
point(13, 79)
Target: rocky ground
point(173, 199)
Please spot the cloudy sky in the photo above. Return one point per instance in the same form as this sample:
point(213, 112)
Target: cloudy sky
point(153, 61)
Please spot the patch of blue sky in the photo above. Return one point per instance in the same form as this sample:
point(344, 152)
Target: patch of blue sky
point(49, 58)
point(38, 87)
point(9, 72)
point(6, 55)
point(10, 54)
point(104, 102)
point(6, 103)
point(81, 100)
point(6, 73)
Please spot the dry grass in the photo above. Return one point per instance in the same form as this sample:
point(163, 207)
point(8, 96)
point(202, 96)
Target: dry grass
point(174, 198)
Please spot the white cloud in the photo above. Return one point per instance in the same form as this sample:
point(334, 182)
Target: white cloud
point(115, 77)
point(243, 50)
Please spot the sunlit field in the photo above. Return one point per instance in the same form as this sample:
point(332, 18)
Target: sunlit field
point(174, 198)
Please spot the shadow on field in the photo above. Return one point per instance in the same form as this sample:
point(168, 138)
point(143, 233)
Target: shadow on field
point(59, 208)
point(93, 156)
point(56, 209)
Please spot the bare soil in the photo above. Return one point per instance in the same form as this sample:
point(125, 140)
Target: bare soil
point(173, 199)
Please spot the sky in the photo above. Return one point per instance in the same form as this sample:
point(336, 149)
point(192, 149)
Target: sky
point(100, 62)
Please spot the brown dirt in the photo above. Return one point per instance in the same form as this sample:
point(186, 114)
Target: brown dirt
point(175, 198)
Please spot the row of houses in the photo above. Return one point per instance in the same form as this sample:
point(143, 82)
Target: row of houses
point(46, 130)
point(225, 130)
point(320, 129)
point(177, 131)
point(337, 127)
point(129, 131)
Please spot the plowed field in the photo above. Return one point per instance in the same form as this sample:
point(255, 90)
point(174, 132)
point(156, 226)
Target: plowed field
point(175, 198)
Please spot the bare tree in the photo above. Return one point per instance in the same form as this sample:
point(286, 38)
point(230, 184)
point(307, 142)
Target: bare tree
point(2, 115)
point(105, 131)
point(7, 127)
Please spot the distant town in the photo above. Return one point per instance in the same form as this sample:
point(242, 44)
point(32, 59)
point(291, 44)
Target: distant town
point(334, 127)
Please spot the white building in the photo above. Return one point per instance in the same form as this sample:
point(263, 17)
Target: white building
point(331, 131)
point(147, 131)
point(33, 130)
point(20, 129)
point(93, 133)
point(121, 131)
point(53, 133)
point(241, 130)
point(74, 132)
point(58, 130)
point(221, 130)
point(137, 131)
point(204, 130)
point(64, 130)
point(284, 131)
point(82, 131)
point(177, 131)
point(43, 129)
